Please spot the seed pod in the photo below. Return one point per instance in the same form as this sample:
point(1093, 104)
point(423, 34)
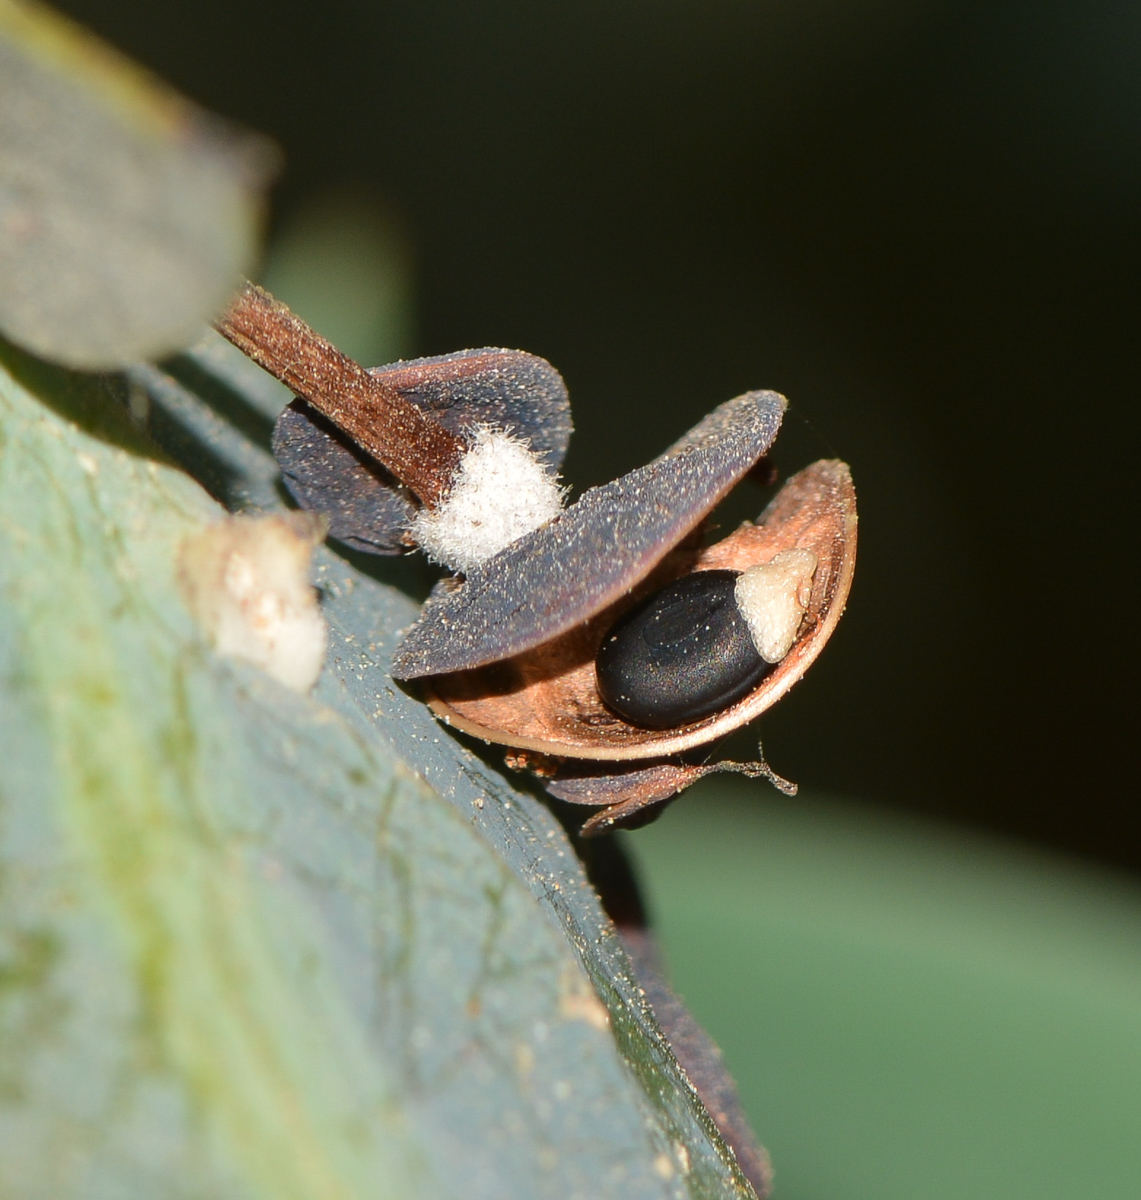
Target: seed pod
point(545, 701)
point(589, 557)
point(508, 653)
point(326, 471)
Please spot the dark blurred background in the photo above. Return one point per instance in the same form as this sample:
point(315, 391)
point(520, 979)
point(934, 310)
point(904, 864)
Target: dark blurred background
point(918, 220)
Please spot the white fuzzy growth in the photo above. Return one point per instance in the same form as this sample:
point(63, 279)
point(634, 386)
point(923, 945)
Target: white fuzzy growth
point(773, 598)
point(500, 492)
point(246, 580)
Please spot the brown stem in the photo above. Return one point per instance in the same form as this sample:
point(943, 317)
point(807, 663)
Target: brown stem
point(419, 451)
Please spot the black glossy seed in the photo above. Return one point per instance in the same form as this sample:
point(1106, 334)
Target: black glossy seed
point(681, 655)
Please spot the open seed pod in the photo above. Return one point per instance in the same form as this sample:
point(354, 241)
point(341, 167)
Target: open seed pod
point(493, 674)
point(543, 642)
point(593, 553)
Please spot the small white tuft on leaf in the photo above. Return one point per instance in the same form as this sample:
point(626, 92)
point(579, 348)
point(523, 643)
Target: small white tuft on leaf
point(500, 492)
point(246, 582)
point(773, 598)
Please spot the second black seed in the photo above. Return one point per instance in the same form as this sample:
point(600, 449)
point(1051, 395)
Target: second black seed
point(683, 654)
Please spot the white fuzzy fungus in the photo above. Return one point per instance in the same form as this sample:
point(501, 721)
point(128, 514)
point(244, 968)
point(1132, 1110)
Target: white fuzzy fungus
point(500, 492)
point(773, 598)
point(246, 582)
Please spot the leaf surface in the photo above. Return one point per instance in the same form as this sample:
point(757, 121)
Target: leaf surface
point(127, 215)
point(254, 944)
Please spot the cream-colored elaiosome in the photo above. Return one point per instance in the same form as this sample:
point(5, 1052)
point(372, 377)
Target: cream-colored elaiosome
point(500, 492)
point(246, 581)
point(773, 598)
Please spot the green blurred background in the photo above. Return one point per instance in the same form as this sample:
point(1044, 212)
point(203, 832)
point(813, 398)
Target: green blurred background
point(920, 221)
point(912, 1012)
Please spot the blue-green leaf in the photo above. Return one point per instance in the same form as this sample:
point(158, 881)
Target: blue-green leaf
point(257, 944)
